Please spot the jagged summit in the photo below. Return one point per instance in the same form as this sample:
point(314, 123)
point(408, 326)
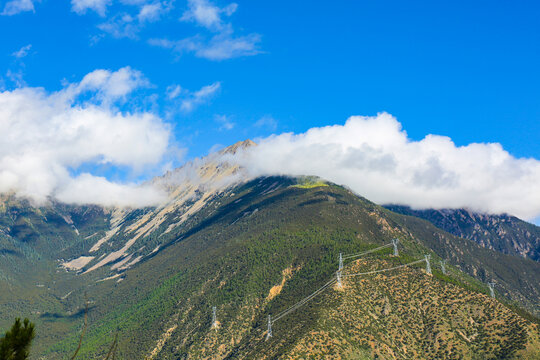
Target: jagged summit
point(241, 145)
point(504, 233)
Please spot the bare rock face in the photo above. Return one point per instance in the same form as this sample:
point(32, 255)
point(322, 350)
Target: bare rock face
point(503, 233)
point(189, 190)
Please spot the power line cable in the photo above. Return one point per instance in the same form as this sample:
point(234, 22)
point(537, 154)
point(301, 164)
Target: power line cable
point(303, 301)
point(366, 252)
point(384, 270)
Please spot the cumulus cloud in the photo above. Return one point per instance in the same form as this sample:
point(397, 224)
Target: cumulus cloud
point(14, 7)
point(109, 86)
point(46, 137)
point(375, 158)
point(82, 6)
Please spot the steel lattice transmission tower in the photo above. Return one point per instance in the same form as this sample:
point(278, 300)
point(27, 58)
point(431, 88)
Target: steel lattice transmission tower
point(214, 318)
point(340, 267)
point(269, 333)
point(395, 243)
point(443, 266)
point(491, 289)
point(428, 265)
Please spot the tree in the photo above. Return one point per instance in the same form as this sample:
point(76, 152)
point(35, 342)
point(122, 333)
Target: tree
point(15, 345)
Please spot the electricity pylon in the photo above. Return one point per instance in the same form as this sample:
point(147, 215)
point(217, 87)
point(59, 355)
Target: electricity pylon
point(338, 274)
point(428, 265)
point(395, 243)
point(214, 319)
point(269, 333)
point(443, 266)
point(492, 289)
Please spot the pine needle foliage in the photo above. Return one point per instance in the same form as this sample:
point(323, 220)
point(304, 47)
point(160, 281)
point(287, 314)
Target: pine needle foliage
point(15, 345)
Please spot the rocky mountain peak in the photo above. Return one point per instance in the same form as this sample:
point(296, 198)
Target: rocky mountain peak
point(241, 145)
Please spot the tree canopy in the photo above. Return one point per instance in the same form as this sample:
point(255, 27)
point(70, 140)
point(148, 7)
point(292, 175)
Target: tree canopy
point(15, 344)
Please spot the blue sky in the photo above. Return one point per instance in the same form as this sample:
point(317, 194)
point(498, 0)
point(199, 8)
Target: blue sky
point(466, 69)
point(218, 72)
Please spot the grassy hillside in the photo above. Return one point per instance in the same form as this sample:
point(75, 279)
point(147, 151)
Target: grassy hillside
point(31, 241)
point(408, 314)
point(256, 250)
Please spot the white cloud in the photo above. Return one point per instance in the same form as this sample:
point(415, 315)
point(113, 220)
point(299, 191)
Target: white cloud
point(189, 100)
point(16, 77)
point(88, 189)
point(81, 6)
point(222, 45)
point(121, 26)
point(134, 2)
point(208, 15)
point(174, 91)
point(219, 47)
point(150, 12)
point(111, 86)
point(128, 24)
point(376, 159)
point(22, 52)
point(14, 7)
point(225, 122)
point(267, 121)
point(47, 135)
point(199, 97)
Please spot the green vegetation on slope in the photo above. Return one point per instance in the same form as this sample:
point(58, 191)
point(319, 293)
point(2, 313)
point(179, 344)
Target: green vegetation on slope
point(237, 257)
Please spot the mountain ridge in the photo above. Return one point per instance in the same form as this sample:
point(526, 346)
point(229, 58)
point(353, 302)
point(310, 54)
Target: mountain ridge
point(252, 248)
point(503, 233)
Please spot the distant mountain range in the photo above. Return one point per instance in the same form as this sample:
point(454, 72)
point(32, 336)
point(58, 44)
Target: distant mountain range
point(259, 247)
point(503, 233)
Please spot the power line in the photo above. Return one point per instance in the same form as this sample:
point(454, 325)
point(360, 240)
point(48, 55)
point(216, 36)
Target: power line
point(325, 286)
point(384, 270)
point(303, 301)
point(367, 252)
point(337, 278)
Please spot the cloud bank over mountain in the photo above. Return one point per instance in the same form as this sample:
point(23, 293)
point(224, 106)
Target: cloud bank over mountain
point(47, 137)
point(52, 141)
point(375, 158)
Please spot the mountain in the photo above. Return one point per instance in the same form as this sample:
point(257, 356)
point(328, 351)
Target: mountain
point(503, 233)
point(253, 248)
